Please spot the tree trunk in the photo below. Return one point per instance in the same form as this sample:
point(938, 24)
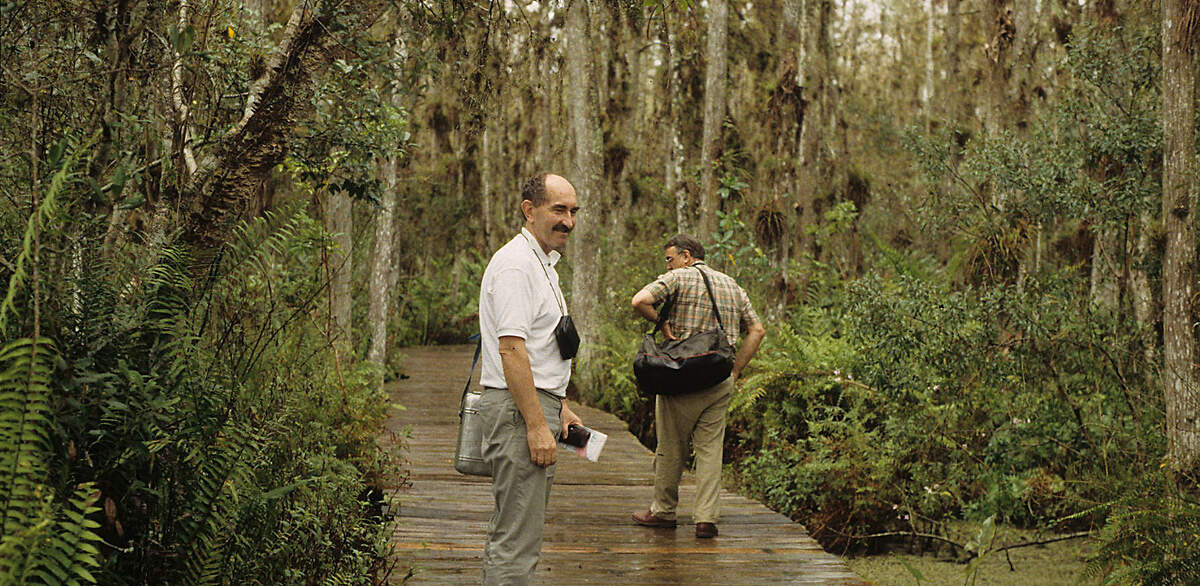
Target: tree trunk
point(1108, 246)
point(637, 94)
point(927, 87)
point(631, 95)
point(1000, 35)
point(117, 21)
point(585, 175)
point(381, 259)
point(1025, 67)
point(672, 144)
point(814, 80)
point(1141, 293)
point(381, 265)
point(183, 129)
point(1106, 266)
point(789, 106)
point(714, 115)
point(548, 145)
point(1139, 281)
point(1181, 23)
point(339, 221)
point(956, 103)
point(485, 186)
point(259, 9)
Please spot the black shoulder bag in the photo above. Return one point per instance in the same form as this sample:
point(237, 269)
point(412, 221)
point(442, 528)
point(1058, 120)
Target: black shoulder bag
point(678, 367)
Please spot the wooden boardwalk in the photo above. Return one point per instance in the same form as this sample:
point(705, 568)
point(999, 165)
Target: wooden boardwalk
point(589, 536)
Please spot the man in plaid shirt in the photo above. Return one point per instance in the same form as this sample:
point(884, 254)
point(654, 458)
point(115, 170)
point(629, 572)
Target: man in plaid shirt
point(698, 416)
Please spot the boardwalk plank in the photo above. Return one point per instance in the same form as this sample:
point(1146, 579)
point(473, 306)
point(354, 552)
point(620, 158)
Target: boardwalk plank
point(589, 537)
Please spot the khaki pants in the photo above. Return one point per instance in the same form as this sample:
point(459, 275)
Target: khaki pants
point(521, 489)
point(699, 417)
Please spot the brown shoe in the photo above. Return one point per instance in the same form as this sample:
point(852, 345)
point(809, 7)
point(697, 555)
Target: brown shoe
point(706, 530)
point(649, 519)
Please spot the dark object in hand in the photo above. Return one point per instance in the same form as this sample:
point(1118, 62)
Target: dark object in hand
point(577, 435)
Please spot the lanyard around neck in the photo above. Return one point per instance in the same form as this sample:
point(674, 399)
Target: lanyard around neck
point(553, 291)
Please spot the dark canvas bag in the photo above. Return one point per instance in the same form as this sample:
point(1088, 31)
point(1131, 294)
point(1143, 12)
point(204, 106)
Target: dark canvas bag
point(678, 367)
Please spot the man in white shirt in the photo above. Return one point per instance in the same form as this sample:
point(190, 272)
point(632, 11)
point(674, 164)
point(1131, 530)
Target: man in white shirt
point(525, 375)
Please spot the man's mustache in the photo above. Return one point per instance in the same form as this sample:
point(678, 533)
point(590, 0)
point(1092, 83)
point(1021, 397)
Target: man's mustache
point(562, 228)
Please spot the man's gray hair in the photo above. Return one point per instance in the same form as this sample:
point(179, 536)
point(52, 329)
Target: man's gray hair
point(689, 243)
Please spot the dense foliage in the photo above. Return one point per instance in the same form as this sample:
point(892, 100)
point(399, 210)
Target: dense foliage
point(207, 417)
point(171, 411)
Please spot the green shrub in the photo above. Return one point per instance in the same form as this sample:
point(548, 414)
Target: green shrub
point(224, 440)
point(919, 404)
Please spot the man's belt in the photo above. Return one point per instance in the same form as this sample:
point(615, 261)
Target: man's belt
point(547, 392)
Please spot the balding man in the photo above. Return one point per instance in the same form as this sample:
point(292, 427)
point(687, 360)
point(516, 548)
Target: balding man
point(526, 367)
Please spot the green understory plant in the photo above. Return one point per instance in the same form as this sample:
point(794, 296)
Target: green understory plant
point(193, 427)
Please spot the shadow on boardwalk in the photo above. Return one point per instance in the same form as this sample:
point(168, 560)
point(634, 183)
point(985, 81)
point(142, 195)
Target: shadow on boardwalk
point(589, 536)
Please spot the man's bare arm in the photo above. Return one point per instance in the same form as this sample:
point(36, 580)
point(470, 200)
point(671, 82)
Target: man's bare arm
point(543, 450)
point(754, 337)
point(643, 304)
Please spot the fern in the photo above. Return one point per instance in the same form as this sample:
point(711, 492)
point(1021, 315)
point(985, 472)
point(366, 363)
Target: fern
point(42, 541)
point(167, 285)
point(184, 447)
point(1151, 538)
point(40, 218)
point(212, 508)
point(256, 241)
point(795, 362)
point(66, 551)
point(342, 579)
point(24, 428)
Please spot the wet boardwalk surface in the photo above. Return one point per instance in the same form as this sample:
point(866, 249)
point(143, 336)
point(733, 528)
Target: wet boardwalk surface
point(589, 537)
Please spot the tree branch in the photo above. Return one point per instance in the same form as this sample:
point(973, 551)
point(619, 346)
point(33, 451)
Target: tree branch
point(963, 547)
point(1049, 540)
point(911, 534)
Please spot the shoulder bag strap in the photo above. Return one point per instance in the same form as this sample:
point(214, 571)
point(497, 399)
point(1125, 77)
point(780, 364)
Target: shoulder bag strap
point(667, 305)
point(561, 308)
point(708, 286)
point(478, 347)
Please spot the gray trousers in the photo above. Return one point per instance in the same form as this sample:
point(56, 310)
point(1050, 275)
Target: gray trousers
point(520, 488)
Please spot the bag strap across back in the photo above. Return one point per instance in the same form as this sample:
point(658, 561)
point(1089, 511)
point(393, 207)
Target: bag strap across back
point(711, 298)
point(667, 305)
point(471, 373)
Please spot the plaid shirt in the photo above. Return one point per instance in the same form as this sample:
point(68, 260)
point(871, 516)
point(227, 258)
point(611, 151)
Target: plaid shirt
point(692, 311)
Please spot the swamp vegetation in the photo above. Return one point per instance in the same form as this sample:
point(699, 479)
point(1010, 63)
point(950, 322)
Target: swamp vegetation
point(969, 226)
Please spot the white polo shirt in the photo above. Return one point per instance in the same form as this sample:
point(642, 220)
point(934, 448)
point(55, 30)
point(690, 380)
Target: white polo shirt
point(519, 298)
